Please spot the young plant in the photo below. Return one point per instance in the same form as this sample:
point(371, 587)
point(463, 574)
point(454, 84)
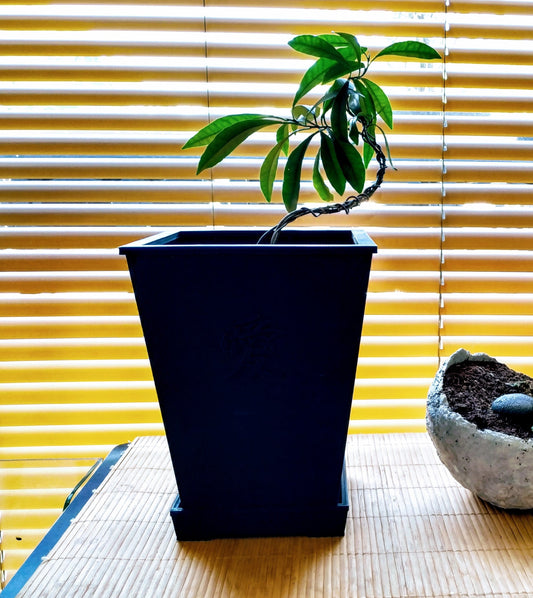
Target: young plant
point(344, 120)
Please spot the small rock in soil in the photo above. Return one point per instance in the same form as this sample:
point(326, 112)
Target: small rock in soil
point(514, 404)
point(472, 386)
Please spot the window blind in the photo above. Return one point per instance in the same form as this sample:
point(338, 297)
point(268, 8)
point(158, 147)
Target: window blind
point(487, 212)
point(96, 100)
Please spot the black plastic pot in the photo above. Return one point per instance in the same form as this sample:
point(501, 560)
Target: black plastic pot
point(253, 350)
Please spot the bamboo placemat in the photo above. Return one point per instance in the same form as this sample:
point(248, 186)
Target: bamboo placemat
point(412, 532)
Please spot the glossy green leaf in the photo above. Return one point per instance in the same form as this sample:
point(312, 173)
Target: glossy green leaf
point(299, 112)
point(321, 72)
point(319, 183)
point(210, 131)
point(354, 132)
point(338, 41)
point(331, 164)
point(331, 94)
point(348, 55)
point(381, 101)
point(352, 42)
point(366, 104)
point(305, 115)
point(411, 49)
point(290, 189)
point(354, 103)
point(230, 138)
point(313, 76)
point(334, 39)
point(339, 69)
point(282, 134)
point(339, 119)
point(387, 148)
point(368, 154)
point(351, 164)
point(368, 150)
point(269, 169)
point(314, 45)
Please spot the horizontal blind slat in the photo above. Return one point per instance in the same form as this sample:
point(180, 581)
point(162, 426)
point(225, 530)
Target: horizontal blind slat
point(492, 304)
point(498, 282)
point(64, 282)
point(132, 214)
point(190, 69)
point(396, 5)
point(487, 172)
point(486, 325)
point(66, 435)
point(498, 7)
point(480, 30)
point(72, 392)
point(498, 217)
point(161, 119)
point(492, 56)
point(67, 304)
point(36, 327)
point(79, 185)
point(46, 350)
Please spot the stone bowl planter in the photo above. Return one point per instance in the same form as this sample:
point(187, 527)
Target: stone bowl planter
point(496, 467)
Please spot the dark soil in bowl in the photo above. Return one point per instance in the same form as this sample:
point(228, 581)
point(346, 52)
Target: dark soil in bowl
point(471, 387)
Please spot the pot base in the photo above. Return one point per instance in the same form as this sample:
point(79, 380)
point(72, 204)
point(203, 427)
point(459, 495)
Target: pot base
point(263, 521)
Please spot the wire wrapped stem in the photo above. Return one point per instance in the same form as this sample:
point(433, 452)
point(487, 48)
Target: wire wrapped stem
point(351, 202)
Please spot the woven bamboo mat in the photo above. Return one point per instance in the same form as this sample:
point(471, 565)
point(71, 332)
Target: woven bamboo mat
point(412, 532)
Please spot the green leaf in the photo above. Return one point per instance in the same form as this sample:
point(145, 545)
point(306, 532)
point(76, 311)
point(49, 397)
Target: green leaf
point(303, 114)
point(331, 94)
point(411, 49)
point(354, 132)
point(366, 103)
point(318, 181)
point(387, 148)
point(351, 164)
point(299, 112)
point(368, 150)
point(354, 103)
point(290, 189)
point(321, 72)
point(348, 55)
point(313, 76)
point(352, 42)
point(269, 169)
point(209, 132)
point(339, 70)
point(368, 154)
point(339, 120)
point(331, 164)
point(314, 45)
point(338, 41)
point(230, 138)
point(282, 134)
point(380, 100)
point(334, 39)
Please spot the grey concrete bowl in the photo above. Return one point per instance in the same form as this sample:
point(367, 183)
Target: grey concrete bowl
point(496, 467)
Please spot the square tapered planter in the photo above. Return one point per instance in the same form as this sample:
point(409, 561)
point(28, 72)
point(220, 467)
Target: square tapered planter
point(253, 350)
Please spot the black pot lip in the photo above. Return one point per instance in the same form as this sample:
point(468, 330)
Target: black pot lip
point(216, 239)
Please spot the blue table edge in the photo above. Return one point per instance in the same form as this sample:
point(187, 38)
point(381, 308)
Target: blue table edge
point(28, 568)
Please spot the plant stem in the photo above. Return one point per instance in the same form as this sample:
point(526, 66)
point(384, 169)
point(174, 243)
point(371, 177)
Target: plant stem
point(351, 202)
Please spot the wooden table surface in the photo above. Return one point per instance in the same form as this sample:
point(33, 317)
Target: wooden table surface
point(412, 532)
